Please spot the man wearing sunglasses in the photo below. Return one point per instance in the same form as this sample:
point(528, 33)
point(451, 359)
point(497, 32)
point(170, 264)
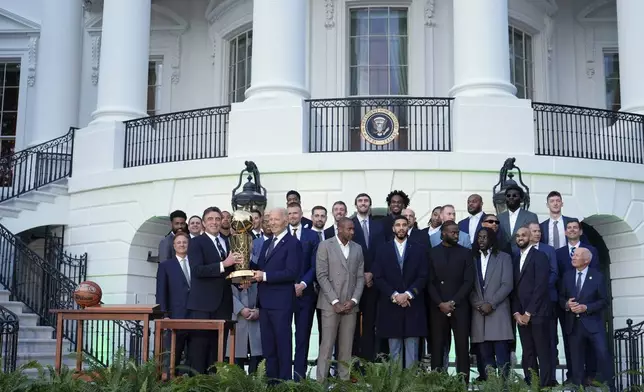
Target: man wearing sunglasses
point(492, 222)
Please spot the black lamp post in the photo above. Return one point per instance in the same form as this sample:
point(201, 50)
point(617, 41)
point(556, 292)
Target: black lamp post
point(253, 194)
point(506, 179)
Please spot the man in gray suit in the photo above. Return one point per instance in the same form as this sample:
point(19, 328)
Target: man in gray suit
point(448, 213)
point(515, 217)
point(490, 299)
point(340, 273)
point(166, 248)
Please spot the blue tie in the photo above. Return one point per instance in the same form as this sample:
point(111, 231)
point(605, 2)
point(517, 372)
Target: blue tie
point(572, 250)
point(578, 285)
point(271, 246)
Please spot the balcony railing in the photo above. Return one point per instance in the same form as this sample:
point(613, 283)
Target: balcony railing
point(380, 124)
point(579, 132)
point(174, 137)
point(629, 354)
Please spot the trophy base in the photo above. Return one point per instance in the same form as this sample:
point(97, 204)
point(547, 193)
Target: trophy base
point(241, 276)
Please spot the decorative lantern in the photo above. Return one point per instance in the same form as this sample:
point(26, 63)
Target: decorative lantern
point(506, 179)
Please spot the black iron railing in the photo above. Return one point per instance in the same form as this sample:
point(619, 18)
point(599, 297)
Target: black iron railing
point(41, 285)
point(579, 132)
point(180, 136)
point(336, 124)
point(629, 356)
point(72, 266)
point(33, 167)
point(9, 325)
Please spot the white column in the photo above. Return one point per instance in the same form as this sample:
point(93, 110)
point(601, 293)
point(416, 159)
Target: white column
point(58, 69)
point(630, 31)
point(125, 48)
point(481, 55)
point(279, 49)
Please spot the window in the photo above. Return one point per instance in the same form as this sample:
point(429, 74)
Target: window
point(611, 79)
point(378, 51)
point(9, 84)
point(521, 63)
point(155, 78)
point(239, 66)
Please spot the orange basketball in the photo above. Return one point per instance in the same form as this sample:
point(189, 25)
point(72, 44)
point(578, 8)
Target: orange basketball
point(87, 294)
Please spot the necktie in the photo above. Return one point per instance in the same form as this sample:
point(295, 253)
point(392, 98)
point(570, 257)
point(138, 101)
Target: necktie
point(578, 285)
point(295, 232)
point(222, 252)
point(572, 250)
point(555, 235)
point(271, 246)
point(320, 236)
point(365, 229)
point(184, 268)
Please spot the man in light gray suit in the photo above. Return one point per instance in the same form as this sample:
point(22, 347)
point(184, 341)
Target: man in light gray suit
point(490, 299)
point(448, 213)
point(515, 217)
point(340, 273)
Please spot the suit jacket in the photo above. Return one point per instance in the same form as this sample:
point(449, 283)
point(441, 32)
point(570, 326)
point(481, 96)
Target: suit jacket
point(306, 223)
point(210, 290)
point(545, 228)
point(494, 288)
point(282, 269)
point(306, 273)
point(339, 277)
point(593, 294)
point(394, 321)
point(530, 292)
point(464, 225)
point(329, 232)
point(451, 276)
point(166, 247)
point(523, 219)
point(553, 280)
point(463, 239)
point(247, 333)
point(257, 248)
point(376, 237)
point(172, 289)
point(420, 237)
point(564, 261)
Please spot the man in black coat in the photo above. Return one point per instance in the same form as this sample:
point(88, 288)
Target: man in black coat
point(451, 279)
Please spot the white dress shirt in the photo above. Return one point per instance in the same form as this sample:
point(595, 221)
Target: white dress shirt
point(432, 230)
point(345, 252)
point(298, 233)
point(560, 227)
point(485, 258)
point(584, 273)
point(524, 255)
point(513, 219)
point(221, 241)
point(474, 223)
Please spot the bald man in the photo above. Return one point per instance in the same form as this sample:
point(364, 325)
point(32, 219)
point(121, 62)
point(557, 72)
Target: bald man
point(583, 295)
point(415, 234)
point(472, 224)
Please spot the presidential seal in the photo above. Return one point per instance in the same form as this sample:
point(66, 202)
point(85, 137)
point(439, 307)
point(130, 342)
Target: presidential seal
point(379, 126)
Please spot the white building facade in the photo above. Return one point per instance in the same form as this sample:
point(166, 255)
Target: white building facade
point(286, 83)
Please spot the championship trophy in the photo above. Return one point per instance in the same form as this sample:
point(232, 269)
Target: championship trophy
point(252, 197)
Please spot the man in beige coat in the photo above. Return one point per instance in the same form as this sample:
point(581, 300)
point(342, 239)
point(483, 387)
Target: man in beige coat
point(340, 274)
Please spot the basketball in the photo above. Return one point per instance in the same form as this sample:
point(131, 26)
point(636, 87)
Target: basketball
point(87, 294)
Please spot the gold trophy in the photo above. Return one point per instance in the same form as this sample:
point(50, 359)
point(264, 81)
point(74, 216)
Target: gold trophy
point(253, 196)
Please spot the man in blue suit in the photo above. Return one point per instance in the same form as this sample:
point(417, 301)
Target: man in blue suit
point(259, 241)
point(294, 197)
point(304, 291)
point(584, 298)
point(278, 269)
point(472, 224)
point(553, 229)
point(173, 288)
point(564, 263)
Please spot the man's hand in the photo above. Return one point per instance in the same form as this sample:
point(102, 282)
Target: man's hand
point(486, 309)
point(259, 276)
point(445, 307)
point(579, 308)
point(232, 259)
point(347, 306)
point(254, 314)
point(571, 303)
point(338, 308)
point(525, 318)
point(402, 300)
point(368, 279)
point(299, 289)
point(518, 318)
point(246, 313)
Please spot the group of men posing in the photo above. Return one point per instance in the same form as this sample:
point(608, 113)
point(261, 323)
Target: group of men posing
point(386, 286)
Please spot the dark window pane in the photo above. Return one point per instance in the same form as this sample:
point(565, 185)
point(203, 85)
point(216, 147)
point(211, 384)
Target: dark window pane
point(9, 122)
point(398, 51)
point(359, 22)
point(378, 21)
point(378, 51)
point(10, 101)
point(152, 74)
point(241, 51)
point(152, 98)
point(359, 51)
point(7, 147)
point(398, 78)
point(359, 80)
point(378, 81)
point(397, 21)
point(12, 76)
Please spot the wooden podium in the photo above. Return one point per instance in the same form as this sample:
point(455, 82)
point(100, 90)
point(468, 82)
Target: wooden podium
point(192, 325)
point(143, 313)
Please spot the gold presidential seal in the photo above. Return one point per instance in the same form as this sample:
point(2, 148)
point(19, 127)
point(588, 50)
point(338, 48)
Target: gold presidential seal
point(379, 126)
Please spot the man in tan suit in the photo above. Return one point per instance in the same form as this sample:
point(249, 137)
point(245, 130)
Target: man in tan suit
point(340, 274)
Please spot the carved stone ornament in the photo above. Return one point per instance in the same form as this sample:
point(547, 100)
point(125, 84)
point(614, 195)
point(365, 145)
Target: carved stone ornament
point(32, 61)
point(430, 9)
point(96, 57)
point(329, 8)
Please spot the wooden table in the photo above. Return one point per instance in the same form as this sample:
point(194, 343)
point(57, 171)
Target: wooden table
point(143, 313)
point(192, 325)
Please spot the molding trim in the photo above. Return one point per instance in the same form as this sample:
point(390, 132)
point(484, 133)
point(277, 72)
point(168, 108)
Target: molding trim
point(583, 15)
point(25, 25)
point(96, 57)
point(430, 13)
point(32, 59)
point(175, 62)
point(216, 9)
point(329, 12)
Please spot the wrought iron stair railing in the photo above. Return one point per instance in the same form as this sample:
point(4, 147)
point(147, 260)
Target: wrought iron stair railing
point(41, 286)
point(9, 326)
point(36, 166)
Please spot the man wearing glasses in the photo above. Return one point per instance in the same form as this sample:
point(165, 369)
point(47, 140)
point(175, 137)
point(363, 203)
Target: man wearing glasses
point(492, 222)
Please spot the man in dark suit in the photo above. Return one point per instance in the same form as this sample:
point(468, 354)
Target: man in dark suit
point(400, 274)
point(515, 217)
point(166, 249)
point(369, 235)
point(278, 269)
point(173, 289)
point(531, 308)
point(435, 222)
point(451, 279)
point(319, 217)
point(564, 264)
point(553, 229)
point(210, 294)
point(304, 291)
point(584, 298)
point(396, 202)
point(293, 196)
point(414, 233)
point(473, 223)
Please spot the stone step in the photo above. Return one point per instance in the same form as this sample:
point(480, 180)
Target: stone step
point(4, 295)
point(29, 345)
point(28, 320)
point(34, 332)
point(22, 204)
point(40, 196)
point(14, 306)
point(46, 358)
point(9, 212)
point(58, 189)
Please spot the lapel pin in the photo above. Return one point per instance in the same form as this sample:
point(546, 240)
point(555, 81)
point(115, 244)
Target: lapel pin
point(590, 277)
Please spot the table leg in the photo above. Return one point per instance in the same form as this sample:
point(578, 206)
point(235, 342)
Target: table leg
point(231, 357)
point(220, 338)
point(59, 343)
point(146, 339)
point(158, 356)
point(173, 350)
point(79, 346)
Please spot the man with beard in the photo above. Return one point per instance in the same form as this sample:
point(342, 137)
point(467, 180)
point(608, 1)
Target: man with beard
point(531, 308)
point(396, 202)
point(369, 235)
point(472, 223)
point(515, 217)
point(400, 274)
point(318, 217)
point(492, 222)
point(226, 218)
point(434, 224)
point(166, 246)
point(339, 211)
point(451, 279)
point(293, 196)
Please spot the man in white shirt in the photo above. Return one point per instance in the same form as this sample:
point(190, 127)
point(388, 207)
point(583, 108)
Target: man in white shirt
point(472, 223)
point(515, 216)
point(553, 229)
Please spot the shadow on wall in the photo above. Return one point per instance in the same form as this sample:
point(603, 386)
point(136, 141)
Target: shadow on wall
point(145, 243)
